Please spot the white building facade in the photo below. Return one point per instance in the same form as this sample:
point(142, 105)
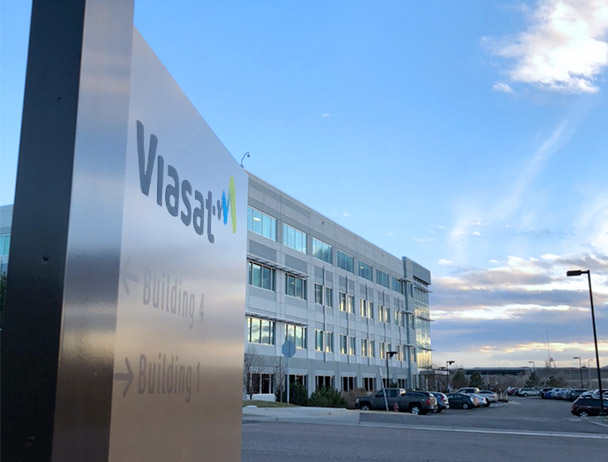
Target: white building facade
point(343, 301)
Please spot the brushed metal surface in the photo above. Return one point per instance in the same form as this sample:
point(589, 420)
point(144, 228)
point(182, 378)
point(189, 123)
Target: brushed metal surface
point(85, 369)
point(57, 354)
point(178, 372)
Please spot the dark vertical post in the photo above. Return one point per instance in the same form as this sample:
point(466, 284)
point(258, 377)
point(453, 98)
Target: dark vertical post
point(597, 356)
point(58, 333)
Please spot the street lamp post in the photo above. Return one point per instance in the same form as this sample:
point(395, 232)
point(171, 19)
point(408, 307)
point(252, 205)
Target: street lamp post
point(389, 354)
point(447, 367)
point(533, 365)
point(597, 355)
point(580, 368)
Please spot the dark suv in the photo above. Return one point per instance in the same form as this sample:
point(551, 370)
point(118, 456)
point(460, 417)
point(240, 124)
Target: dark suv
point(416, 402)
point(586, 406)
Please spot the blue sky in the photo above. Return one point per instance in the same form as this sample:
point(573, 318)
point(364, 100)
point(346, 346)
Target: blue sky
point(470, 136)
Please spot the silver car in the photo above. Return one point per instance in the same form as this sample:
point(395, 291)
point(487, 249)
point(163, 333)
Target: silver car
point(490, 396)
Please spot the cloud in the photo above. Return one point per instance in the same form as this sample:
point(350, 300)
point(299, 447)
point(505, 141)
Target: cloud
point(476, 233)
point(444, 262)
point(325, 115)
point(502, 88)
point(346, 215)
point(564, 48)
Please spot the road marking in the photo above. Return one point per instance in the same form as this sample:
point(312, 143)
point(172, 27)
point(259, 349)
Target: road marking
point(592, 436)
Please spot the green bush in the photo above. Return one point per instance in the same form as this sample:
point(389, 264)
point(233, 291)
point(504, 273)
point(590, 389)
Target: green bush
point(326, 397)
point(298, 394)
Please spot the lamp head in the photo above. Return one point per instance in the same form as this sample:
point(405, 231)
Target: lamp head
point(574, 273)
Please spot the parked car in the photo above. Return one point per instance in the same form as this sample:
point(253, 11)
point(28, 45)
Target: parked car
point(483, 401)
point(560, 393)
point(575, 393)
point(461, 401)
point(512, 391)
point(586, 406)
point(468, 390)
point(416, 402)
point(544, 391)
point(594, 393)
point(489, 395)
point(442, 401)
point(528, 392)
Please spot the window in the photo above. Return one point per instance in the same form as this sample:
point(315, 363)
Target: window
point(382, 350)
point(367, 348)
point(348, 383)
point(326, 381)
point(369, 383)
point(260, 331)
point(297, 334)
point(294, 238)
point(321, 250)
point(295, 286)
point(402, 383)
point(319, 294)
point(350, 303)
point(329, 342)
point(343, 344)
point(367, 309)
point(261, 276)
point(329, 296)
point(347, 345)
point(319, 337)
point(365, 271)
point(5, 243)
point(396, 316)
point(261, 383)
point(347, 302)
point(397, 285)
point(382, 278)
point(384, 314)
point(345, 261)
point(262, 224)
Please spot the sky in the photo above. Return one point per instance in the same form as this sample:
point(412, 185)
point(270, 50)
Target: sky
point(467, 135)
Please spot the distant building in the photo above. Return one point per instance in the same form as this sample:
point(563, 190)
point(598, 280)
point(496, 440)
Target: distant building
point(343, 301)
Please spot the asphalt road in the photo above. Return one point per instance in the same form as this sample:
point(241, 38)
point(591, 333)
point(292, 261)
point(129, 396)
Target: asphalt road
point(527, 429)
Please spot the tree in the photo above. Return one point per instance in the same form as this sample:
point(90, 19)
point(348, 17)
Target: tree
point(253, 365)
point(532, 381)
point(553, 381)
point(459, 380)
point(476, 381)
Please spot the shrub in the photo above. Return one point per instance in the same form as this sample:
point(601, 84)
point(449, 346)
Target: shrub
point(351, 396)
point(326, 397)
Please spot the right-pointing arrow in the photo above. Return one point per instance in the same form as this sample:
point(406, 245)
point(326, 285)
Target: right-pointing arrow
point(125, 376)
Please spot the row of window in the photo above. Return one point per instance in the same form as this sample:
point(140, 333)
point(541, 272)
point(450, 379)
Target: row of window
point(266, 225)
point(262, 331)
point(266, 383)
point(264, 277)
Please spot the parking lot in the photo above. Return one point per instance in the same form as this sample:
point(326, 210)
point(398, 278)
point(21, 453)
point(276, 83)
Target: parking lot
point(525, 429)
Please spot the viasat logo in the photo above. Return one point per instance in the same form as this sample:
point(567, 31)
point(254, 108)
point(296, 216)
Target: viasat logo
point(177, 195)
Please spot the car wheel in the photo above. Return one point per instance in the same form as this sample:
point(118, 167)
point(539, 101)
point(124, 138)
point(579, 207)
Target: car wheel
point(415, 409)
point(582, 413)
point(365, 407)
point(438, 411)
point(465, 405)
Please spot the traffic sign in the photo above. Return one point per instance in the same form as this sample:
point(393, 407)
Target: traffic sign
point(289, 349)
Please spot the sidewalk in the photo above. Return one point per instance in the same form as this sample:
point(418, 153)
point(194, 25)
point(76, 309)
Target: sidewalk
point(320, 415)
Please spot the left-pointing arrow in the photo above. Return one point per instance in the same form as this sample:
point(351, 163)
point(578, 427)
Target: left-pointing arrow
point(125, 376)
point(126, 275)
